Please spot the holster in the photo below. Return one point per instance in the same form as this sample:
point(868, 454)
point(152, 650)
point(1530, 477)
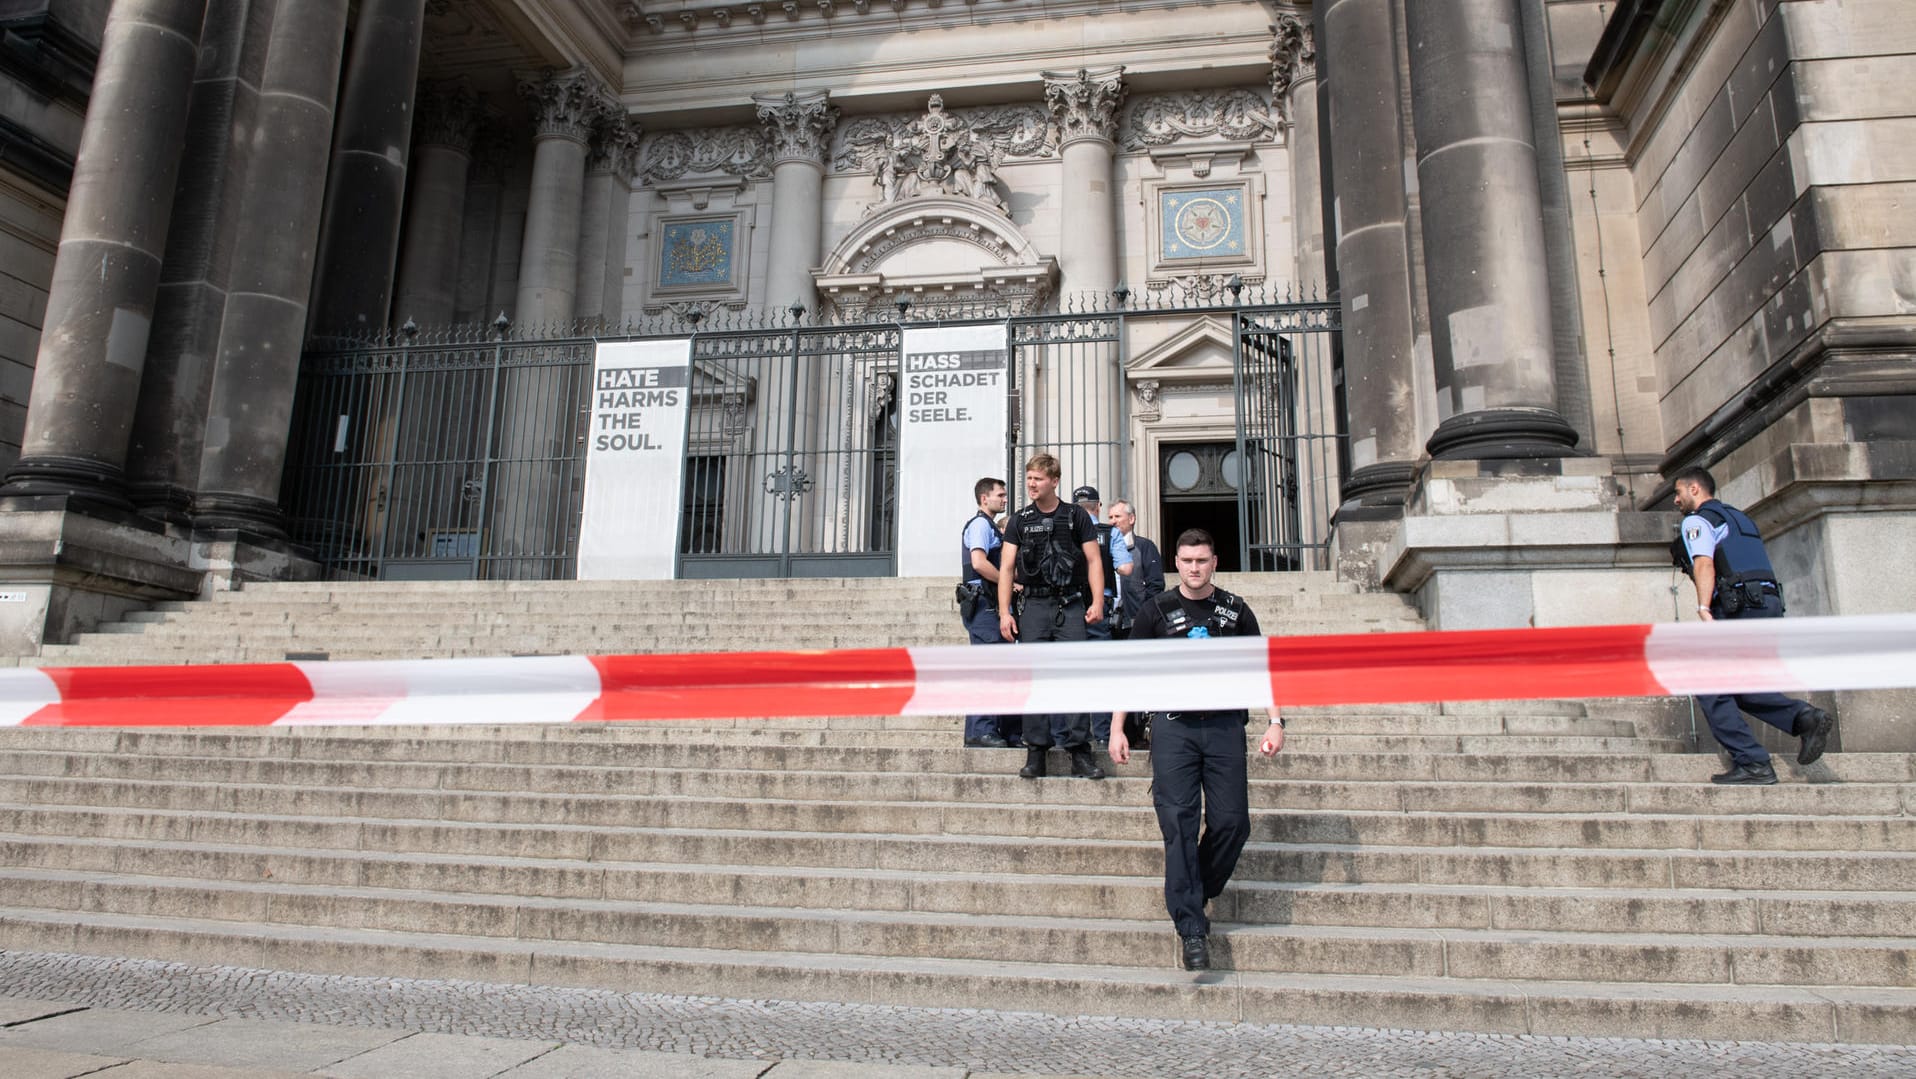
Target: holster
point(970, 596)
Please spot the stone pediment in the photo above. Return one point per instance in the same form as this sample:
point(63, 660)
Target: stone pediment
point(938, 251)
point(1202, 351)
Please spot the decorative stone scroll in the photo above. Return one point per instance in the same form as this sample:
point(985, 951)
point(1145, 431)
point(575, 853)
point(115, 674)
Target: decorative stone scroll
point(1163, 119)
point(730, 151)
point(1084, 104)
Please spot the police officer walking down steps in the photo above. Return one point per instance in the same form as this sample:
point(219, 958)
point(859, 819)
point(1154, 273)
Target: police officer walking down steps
point(1198, 758)
point(978, 555)
point(1053, 548)
point(1720, 549)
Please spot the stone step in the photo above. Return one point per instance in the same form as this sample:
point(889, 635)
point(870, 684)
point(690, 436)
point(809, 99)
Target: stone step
point(881, 772)
point(1394, 999)
point(1090, 937)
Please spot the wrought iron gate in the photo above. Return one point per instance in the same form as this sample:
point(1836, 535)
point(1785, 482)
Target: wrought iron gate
point(460, 458)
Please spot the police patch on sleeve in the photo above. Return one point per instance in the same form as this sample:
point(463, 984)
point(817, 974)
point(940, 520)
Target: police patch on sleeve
point(1693, 533)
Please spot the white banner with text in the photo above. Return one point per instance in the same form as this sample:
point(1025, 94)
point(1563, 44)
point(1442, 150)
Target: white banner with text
point(635, 460)
point(952, 418)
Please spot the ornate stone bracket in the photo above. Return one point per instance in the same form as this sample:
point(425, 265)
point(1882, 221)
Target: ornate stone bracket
point(800, 125)
point(1084, 104)
point(565, 104)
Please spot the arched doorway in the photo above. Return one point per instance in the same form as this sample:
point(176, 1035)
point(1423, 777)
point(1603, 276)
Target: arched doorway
point(1197, 488)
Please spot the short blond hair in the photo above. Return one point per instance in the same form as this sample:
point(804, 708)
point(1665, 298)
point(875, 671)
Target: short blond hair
point(1045, 463)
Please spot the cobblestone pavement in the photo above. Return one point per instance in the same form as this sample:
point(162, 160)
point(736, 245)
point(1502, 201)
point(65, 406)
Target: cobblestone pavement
point(980, 1041)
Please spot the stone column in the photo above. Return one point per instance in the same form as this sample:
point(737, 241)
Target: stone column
point(1372, 261)
point(1082, 401)
point(1486, 263)
point(625, 180)
point(257, 366)
point(1084, 105)
point(565, 107)
point(603, 216)
point(436, 211)
point(801, 128)
point(479, 235)
point(1294, 92)
point(106, 276)
point(163, 456)
point(366, 185)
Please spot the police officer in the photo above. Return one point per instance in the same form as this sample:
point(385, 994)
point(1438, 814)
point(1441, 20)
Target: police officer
point(1052, 547)
point(978, 556)
point(1720, 549)
point(1198, 758)
point(1116, 558)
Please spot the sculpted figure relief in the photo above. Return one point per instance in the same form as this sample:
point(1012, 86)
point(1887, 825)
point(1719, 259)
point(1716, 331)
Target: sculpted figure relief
point(937, 153)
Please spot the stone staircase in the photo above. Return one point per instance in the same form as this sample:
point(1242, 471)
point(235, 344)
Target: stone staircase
point(1542, 867)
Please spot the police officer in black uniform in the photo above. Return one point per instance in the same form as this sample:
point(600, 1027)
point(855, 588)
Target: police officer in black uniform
point(1721, 550)
point(1053, 549)
point(1198, 758)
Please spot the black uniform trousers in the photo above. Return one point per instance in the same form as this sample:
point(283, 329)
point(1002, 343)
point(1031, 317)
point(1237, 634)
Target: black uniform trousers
point(982, 628)
point(1199, 754)
point(1724, 711)
point(1050, 618)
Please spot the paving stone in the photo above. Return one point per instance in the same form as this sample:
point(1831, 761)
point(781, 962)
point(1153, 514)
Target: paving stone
point(591, 1062)
point(258, 1043)
point(18, 1062)
point(440, 1056)
point(15, 1010)
point(97, 1031)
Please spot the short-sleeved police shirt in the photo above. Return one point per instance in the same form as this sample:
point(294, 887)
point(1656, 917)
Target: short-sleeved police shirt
point(1700, 537)
point(1083, 530)
point(979, 536)
point(1197, 613)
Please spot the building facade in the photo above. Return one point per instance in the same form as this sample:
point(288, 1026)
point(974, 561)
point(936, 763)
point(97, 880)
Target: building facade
point(1573, 245)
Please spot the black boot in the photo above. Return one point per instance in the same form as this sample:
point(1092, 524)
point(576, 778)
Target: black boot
point(1815, 726)
point(1747, 775)
point(1084, 765)
point(1197, 953)
point(1034, 763)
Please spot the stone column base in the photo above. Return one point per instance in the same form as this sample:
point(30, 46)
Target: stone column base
point(64, 571)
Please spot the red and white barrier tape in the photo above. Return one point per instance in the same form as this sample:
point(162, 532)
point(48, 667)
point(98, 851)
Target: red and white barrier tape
point(1850, 652)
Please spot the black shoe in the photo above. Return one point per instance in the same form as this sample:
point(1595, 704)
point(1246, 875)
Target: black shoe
point(1747, 775)
point(1034, 763)
point(1197, 954)
point(989, 741)
point(1816, 726)
point(1084, 765)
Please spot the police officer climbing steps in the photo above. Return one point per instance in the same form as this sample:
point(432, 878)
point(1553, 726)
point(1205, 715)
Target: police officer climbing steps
point(1052, 547)
point(1720, 549)
point(1198, 759)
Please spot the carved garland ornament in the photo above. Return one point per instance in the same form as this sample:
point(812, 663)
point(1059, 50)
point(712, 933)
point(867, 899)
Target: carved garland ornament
point(734, 151)
point(1162, 119)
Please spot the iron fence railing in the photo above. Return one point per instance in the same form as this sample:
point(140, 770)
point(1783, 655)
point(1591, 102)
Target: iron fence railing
point(460, 452)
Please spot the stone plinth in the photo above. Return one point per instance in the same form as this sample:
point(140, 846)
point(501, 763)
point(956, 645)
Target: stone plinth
point(63, 572)
point(1552, 542)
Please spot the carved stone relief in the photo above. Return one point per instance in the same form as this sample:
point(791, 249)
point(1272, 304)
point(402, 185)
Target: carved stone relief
point(1163, 119)
point(1293, 58)
point(731, 151)
point(567, 104)
point(799, 125)
point(1085, 104)
point(615, 147)
point(447, 114)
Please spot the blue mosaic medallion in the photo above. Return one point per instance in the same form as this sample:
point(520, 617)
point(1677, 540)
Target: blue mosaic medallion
point(696, 253)
point(1202, 224)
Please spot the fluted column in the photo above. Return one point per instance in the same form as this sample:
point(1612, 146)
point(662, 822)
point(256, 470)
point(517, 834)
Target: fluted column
point(602, 220)
point(366, 184)
point(1084, 104)
point(1486, 262)
point(257, 365)
point(436, 209)
point(565, 108)
point(801, 129)
point(105, 278)
point(1372, 259)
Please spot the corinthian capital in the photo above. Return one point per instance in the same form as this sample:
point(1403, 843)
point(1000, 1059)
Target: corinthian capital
point(448, 115)
point(565, 104)
point(615, 147)
point(1084, 104)
point(800, 125)
point(1293, 57)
